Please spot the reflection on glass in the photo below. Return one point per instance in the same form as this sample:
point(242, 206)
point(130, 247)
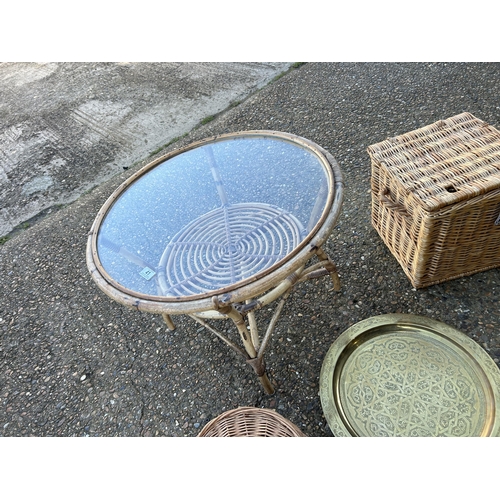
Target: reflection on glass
point(213, 216)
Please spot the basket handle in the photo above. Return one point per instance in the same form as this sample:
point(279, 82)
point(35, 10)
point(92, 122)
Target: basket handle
point(396, 207)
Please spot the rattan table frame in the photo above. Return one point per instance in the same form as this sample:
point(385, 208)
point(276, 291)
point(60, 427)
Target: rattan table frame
point(241, 301)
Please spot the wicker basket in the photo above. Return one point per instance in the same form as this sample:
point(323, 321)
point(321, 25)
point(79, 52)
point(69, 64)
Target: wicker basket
point(436, 199)
point(250, 422)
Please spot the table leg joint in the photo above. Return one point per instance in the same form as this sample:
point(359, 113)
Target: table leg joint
point(258, 365)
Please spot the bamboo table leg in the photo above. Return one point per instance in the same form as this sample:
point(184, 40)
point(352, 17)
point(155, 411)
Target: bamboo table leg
point(254, 348)
point(168, 320)
point(256, 362)
point(259, 367)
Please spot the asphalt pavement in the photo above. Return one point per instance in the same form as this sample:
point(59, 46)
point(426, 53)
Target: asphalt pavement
point(75, 363)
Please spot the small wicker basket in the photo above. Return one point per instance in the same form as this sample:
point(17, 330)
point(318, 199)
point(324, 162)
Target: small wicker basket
point(436, 198)
point(247, 421)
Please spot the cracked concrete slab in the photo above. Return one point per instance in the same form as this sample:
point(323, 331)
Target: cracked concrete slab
point(67, 127)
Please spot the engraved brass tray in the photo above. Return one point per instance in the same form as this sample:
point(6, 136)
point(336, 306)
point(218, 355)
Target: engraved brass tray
point(406, 375)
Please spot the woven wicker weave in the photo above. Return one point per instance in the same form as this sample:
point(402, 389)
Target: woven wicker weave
point(250, 422)
point(436, 198)
point(226, 245)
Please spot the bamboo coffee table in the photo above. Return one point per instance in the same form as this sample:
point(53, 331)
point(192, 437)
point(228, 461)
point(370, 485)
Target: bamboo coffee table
point(218, 230)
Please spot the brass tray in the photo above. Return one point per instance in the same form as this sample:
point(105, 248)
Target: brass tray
point(406, 375)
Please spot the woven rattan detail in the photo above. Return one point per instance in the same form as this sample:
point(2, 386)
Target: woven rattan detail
point(444, 163)
point(250, 422)
point(225, 246)
point(436, 199)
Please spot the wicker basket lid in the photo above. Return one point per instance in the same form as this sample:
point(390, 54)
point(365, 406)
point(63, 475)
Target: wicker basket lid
point(444, 163)
point(247, 421)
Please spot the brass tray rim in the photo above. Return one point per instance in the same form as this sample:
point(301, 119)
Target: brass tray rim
point(490, 370)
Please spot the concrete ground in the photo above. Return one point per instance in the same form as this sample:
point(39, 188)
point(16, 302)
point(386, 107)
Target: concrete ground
point(68, 127)
point(75, 363)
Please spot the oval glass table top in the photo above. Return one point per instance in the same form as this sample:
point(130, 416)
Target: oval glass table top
point(213, 217)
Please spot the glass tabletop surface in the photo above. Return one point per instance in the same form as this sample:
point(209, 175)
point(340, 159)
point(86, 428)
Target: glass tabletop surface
point(213, 217)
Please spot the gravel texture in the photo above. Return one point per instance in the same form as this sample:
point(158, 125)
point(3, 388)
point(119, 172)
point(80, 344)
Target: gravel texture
point(75, 363)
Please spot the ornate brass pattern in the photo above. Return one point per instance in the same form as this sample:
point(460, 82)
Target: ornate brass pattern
point(402, 375)
point(398, 386)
